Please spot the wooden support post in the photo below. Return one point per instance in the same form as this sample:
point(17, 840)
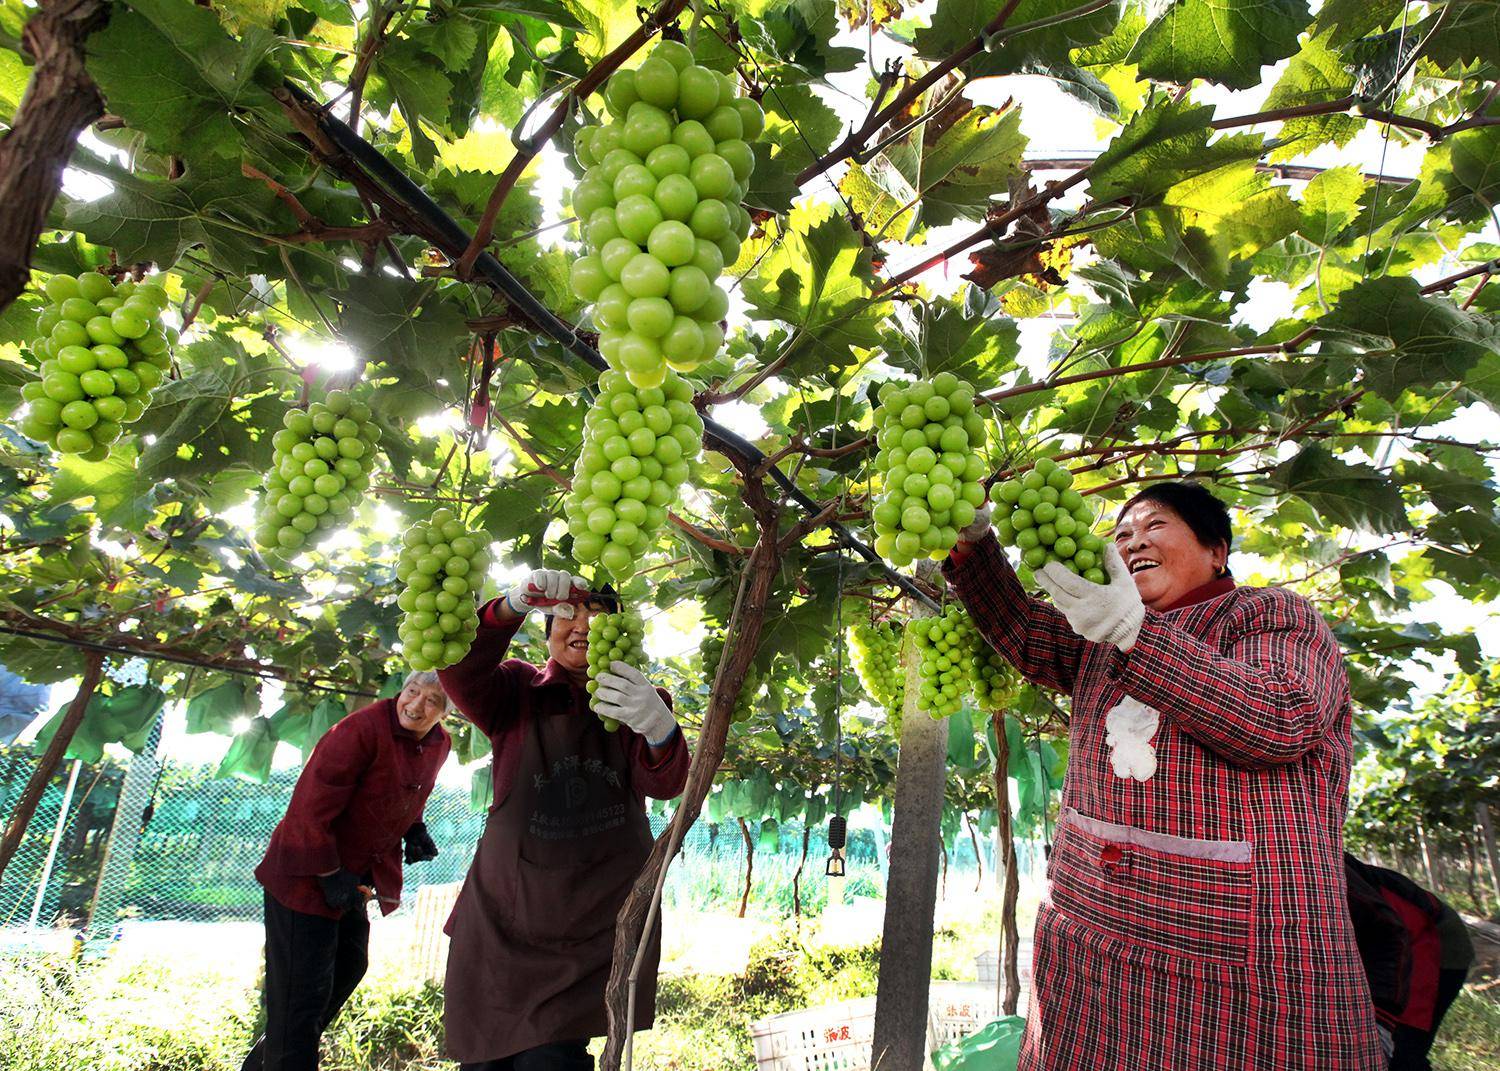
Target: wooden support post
point(1009, 930)
point(901, 999)
point(20, 818)
point(1487, 832)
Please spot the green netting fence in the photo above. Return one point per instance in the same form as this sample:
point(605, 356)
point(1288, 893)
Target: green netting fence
point(202, 835)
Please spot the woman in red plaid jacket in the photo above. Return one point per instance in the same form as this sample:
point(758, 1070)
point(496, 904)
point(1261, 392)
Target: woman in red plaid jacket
point(1196, 915)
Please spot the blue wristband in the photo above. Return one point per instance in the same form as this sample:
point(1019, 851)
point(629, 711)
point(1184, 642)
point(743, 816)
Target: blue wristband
point(664, 741)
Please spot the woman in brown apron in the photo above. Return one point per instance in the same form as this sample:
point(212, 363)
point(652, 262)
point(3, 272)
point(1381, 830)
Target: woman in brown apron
point(533, 930)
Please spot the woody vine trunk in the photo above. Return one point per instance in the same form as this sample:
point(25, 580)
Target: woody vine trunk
point(61, 99)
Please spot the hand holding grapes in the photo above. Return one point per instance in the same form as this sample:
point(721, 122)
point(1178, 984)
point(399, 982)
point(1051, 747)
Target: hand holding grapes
point(625, 695)
point(1103, 613)
point(978, 528)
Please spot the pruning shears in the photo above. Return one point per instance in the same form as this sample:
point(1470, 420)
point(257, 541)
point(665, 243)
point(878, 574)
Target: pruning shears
point(576, 597)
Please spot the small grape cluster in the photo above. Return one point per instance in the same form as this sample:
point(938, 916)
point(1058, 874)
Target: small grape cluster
point(319, 468)
point(945, 645)
point(638, 445)
point(1041, 515)
point(991, 677)
point(613, 637)
point(744, 703)
point(931, 460)
point(103, 351)
point(876, 649)
point(442, 564)
point(661, 212)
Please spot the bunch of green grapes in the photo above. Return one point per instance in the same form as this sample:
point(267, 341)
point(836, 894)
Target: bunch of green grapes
point(931, 459)
point(744, 703)
point(877, 659)
point(442, 564)
point(945, 645)
point(638, 445)
point(611, 637)
point(103, 351)
point(993, 679)
point(320, 466)
point(661, 212)
point(1041, 515)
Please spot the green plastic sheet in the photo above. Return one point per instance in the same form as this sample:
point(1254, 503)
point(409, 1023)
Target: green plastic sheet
point(249, 756)
point(996, 1046)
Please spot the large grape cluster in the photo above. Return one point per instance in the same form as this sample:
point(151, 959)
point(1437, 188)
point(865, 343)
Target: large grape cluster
point(661, 212)
point(1041, 515)
point(744, 703)
point(945, 646)
point(320, 466)
point(876, 648)
point(103, 351)
point(931, 455)
point(612, 637)
point(638, 443)
point(442, 564)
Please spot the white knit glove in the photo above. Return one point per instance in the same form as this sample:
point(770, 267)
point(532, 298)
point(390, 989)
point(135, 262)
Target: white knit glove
point(629, 698)
point(544, 584)
point(978, 528)
point(1103, 613)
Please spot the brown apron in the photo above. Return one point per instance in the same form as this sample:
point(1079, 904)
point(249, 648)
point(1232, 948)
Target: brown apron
point(533, 929)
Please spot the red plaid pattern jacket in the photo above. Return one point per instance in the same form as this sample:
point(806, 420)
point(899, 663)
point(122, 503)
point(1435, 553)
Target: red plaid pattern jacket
point(1198, 919)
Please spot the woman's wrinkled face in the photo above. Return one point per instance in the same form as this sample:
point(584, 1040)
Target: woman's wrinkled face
point(569, 642)
point(1163, 555)
point(421, 706)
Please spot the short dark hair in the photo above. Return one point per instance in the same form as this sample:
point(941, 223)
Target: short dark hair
point(604, 600)
point(1199, 509)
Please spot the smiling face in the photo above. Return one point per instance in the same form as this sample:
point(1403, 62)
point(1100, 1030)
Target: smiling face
point(568, 643)
point(1163, 554)
point(420, 706)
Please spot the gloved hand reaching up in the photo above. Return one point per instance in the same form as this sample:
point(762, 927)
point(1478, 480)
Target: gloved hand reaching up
point(1103, 613)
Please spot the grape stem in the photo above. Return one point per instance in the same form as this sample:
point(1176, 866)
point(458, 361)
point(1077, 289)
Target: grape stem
point(580, 90)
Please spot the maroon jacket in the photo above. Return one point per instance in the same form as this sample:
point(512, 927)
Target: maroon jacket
point(364, 787)
point(486, 685)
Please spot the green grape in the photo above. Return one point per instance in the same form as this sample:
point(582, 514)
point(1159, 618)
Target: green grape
point(876, 651)
point(320, 466)
point(660, 213)
point(613, 637)
point(639, 444)
point(744, 703)
point(102, 352)
point(930, 458)
point(437, 632)
point(946, 646)
point(1041, 515)
point(993, 679)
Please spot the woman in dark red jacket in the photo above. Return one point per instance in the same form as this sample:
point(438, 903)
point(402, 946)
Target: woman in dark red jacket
point(359, 796)
point(533, 930)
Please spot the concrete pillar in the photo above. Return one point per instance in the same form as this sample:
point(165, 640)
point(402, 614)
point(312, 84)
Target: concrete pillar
point(901, 1000)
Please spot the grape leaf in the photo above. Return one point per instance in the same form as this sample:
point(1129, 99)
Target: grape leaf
point(1353, 495)
point(1160, 147)
point(957, 22)
point(1434, 342)
point(1315, 75)
point(1224, 41)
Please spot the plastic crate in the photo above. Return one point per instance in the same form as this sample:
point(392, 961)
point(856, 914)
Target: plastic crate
point(429, 944)
point(959, 1009)
point(833, 1037)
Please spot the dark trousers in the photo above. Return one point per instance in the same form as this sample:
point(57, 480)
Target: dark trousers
point(312, 966)
point(1412, 1045)
point(558, 1056)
